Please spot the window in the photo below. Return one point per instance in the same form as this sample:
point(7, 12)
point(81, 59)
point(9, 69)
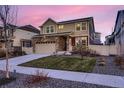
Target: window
point(27, 43)
point(83, 26)
point(84, 42)
point(49, 29)
point(61, 27)
point(52, 29)
point(78, 26)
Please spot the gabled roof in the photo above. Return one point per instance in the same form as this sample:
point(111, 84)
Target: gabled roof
point(49, 19)
point(9, 26)
point(29, 28)
point(120, 11)
point(97, 32)
point(75, 20)
point(12, 26)
point(69, 21)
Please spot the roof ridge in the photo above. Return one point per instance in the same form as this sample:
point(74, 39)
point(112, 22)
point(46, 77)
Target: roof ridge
point(75, 19)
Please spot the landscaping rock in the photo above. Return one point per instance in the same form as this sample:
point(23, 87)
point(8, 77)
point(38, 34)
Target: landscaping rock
point(50, 83)
point(101, 64)
point(109, 68)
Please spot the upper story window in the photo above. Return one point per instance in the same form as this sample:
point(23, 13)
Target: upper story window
point(50, 29)
point(78, 27)
point(61, 27)
point(81, 26)
point(47, 29)
point(84, 26)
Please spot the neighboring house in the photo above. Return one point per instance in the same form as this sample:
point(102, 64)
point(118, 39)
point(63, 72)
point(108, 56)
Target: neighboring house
point(117, 37)
point(64, 36)
point(10, 30)
point(22, 38)
point(109, 40)
point(119, 32)
point(98, 38)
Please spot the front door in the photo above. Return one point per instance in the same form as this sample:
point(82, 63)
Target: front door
point(73, 41)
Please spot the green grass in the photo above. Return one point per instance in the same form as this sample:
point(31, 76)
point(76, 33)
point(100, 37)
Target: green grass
point(63, 63)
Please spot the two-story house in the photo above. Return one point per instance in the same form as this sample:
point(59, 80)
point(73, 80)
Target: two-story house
point(21, 38)
point(117, 37)
point(97, 38)
point(64, 36)
point(9, 33)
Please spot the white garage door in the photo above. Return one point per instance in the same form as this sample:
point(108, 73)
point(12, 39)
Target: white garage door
point(45, 48)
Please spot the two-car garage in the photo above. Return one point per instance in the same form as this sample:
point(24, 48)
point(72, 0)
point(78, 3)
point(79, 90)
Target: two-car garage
point(45, 47)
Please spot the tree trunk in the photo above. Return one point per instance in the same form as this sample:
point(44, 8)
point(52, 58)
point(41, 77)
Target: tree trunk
point(7, 64)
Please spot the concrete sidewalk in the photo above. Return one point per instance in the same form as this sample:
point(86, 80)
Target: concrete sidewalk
point(100, 79)
point(22, 59)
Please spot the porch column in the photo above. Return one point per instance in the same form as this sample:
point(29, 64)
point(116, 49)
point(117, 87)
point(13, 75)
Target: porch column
point(33, 45)
point(56, 44)
point(67, 43)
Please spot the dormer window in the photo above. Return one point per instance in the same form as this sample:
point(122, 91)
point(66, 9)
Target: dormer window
point(50, 29)
point(47, 29)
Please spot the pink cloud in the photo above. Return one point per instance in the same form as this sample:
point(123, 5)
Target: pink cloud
point(104, 16)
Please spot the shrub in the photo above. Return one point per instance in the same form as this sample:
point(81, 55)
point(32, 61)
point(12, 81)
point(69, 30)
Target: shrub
point(84, 51)
point(2, 53)
point(118, 60)
point(40, 76)
point(24, 53)
point(18, 53)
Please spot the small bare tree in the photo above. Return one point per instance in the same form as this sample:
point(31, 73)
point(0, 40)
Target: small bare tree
point(8, 15)
point(82, 49)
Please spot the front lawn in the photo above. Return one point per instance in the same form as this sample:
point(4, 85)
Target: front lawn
point(63, 63)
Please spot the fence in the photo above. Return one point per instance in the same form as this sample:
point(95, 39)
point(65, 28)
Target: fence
point(104, 49)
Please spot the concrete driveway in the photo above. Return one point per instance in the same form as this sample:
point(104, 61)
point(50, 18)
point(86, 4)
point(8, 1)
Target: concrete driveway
point(22, 59)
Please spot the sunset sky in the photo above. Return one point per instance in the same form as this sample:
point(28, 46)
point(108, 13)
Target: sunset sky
point(104, 16)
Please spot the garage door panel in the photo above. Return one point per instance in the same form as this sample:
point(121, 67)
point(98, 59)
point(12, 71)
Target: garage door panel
point(45, 48)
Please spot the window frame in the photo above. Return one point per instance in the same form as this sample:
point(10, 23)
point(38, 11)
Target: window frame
point(50, 29)
point(76, 26)
point(27, 43)
point(61, 27)
point(85, 26)
point(81, 26)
